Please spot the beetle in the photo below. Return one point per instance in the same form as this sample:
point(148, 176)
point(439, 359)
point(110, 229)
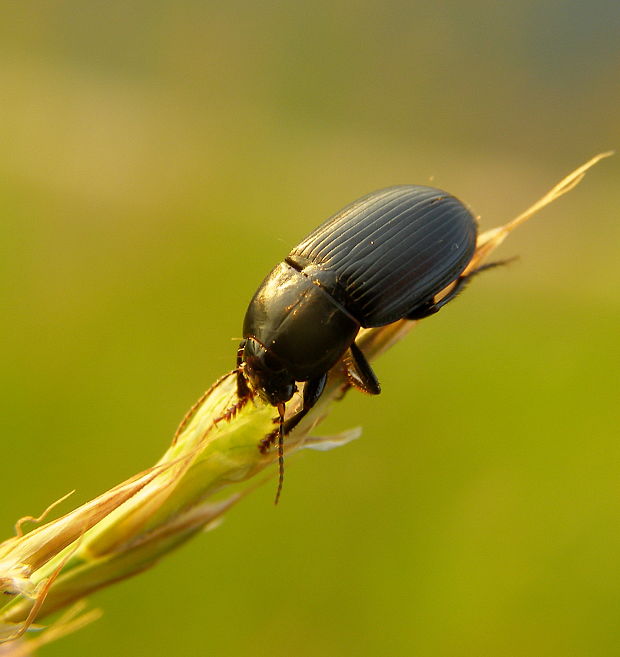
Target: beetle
point(382, 258)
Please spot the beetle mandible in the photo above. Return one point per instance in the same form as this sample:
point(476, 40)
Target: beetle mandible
point(382, 258)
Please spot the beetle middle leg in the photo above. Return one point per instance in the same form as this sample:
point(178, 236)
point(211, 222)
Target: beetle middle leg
point(430, 307)
point(361, 374)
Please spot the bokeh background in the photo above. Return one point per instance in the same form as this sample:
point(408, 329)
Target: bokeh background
point(158, 158)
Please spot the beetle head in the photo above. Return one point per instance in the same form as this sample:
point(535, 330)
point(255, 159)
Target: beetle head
point(267, 373)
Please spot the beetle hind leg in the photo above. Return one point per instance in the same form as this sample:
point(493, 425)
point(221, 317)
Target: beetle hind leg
point(430, 307)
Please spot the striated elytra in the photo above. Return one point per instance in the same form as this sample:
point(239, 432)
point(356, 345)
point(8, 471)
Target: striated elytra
point(382, 258)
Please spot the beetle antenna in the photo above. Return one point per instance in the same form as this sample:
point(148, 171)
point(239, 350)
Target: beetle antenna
point(281, 409)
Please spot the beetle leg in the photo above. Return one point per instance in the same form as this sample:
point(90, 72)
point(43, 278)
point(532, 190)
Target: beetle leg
point(243, 391)
point(312, 391)
point(430, 307)
point(361, 375)
point(244, 394)
point(464, 280)
point(424, 310)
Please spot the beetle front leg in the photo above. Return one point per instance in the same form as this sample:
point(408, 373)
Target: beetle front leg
point(312, 391)
point(244, 394)
point(243, 390)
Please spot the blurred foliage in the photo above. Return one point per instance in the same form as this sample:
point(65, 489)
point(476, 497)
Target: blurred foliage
point(158, 158)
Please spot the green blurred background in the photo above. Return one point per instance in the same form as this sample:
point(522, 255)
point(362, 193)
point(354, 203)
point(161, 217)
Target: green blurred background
point(158, 158)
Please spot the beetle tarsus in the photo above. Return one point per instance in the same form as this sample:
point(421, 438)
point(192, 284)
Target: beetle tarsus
point(232, 411)
point(265, 444)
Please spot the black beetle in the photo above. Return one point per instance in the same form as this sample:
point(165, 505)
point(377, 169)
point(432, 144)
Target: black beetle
point(382, 258)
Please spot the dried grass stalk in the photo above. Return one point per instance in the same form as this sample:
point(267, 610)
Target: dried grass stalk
point(130, 527)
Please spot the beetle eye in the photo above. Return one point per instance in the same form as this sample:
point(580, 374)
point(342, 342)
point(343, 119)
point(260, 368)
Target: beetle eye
point(272, 363)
